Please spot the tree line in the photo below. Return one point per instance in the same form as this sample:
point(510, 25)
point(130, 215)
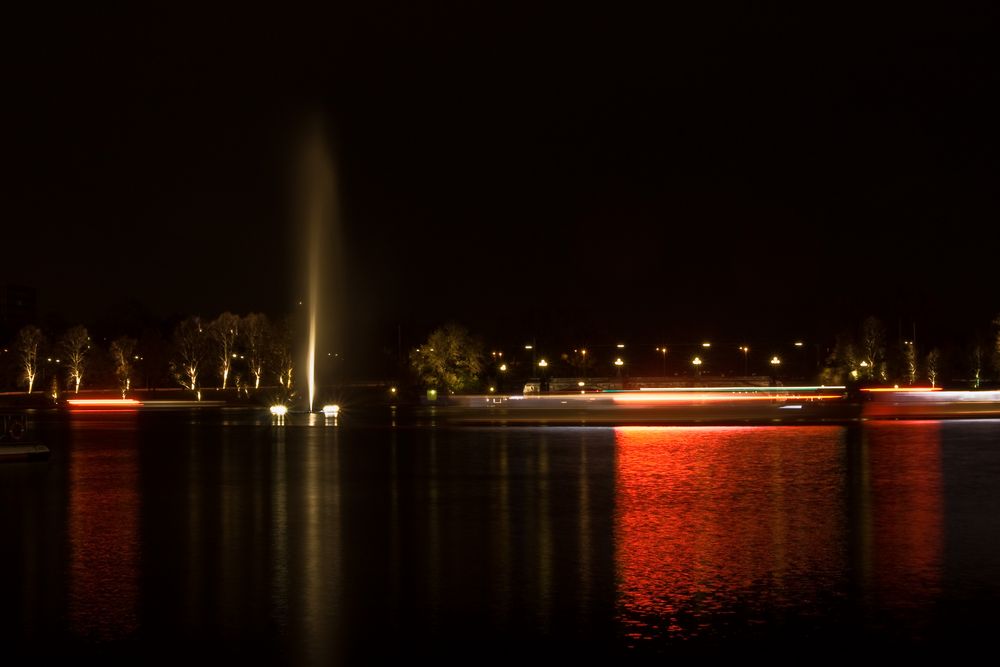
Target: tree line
point(231, 351)
point(453, 360)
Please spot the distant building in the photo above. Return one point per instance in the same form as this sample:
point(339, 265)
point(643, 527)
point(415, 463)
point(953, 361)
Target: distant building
point(18, 306)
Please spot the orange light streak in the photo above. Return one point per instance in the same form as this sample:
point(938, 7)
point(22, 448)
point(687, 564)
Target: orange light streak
point(704, 397)
point(900, 389)
point(104, 402)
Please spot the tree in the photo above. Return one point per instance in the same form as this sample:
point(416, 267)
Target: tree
point(122, 354)
point(29, 340)
point(224, 331)
point(75, 344)
point(910, 360)
point(996, 345)
point(873, 345)
point(255, 330)
point(281, 352)
point(451, 359)
point(189, 349)
point(933, 366)
point(976, 364)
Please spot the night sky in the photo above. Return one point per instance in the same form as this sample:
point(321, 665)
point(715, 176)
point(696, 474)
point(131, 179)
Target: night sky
point(576, 174)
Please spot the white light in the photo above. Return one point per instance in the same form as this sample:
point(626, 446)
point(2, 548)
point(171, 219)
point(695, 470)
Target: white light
point(621, 345)
point(331, 410)
point(798, 343)
point(279, 410)
point(580, 383)
point(706, 345)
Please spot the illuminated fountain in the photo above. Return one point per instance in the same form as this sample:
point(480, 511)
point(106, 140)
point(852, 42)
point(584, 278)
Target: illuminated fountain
point(317, 197)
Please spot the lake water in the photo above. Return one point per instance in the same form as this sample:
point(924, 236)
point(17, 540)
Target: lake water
point(190, 536)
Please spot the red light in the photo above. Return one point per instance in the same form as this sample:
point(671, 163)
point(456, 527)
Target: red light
point(906, 389)
point(104, 403)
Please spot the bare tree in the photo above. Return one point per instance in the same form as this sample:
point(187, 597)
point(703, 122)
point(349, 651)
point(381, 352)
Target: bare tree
point(933, 366)
point(910, 359)
point(122, 355)
point(224, 331)
point(872, 344)
point(255, 330)
point(281, 351)
point(29, 340)
point(189, 348)
point(75, 344)
point(996, 344)
point(976, 363)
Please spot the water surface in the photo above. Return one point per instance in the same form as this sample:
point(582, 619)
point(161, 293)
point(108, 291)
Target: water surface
point(159, 536)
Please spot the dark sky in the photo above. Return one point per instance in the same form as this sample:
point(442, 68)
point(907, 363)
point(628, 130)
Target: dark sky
point(572, 173)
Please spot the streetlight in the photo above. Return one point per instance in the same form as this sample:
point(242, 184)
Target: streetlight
point(745, 349)
point(775, 361)
point(696, 362)
point(663, 351)
point(618, 365)
point(542, 364)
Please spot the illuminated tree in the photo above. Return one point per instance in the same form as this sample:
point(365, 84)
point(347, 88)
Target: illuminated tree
point(451, 359)
point(281, 352)
point(75, 344)
point(996, 345)
point(910, 360)
point(224, 331)
point(189, 349)
point(933, 366)
point(872, 345)
point(255, 330)
point(29, 340)
point(976, 363)
point(122, 354)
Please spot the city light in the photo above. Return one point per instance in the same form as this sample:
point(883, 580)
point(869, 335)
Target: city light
point(775, 361)
point(798, 343)
point(696, 361)
point(331, 410)
point(279, 410)
point(619, 362)
point(503, 367)
point(543, 363)
point(706, 344)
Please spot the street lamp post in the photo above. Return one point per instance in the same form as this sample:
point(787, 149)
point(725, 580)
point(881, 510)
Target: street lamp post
point(618, 366)
point(745, 349)
point(663, 352)
point(696, 362)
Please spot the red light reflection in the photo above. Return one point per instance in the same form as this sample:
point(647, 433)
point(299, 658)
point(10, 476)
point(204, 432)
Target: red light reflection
point(724, 523)
point(103, 533)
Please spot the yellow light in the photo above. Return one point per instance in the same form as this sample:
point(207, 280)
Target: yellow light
point(864, 364)
point(696, 361)
point(619, 362)
point(775, 360)
point(580, 383)
point(583, 352)
point(331, 410)
point(503, 367)
point(528, 347)
point(543, 363)
point(706, 345)
point(492, 389)
point(392, 390)
point(620, 345)
point(798, 343)
point(279, 410)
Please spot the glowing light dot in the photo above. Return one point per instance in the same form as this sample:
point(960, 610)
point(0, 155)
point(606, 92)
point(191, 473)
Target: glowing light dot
point(279, 410)
point(331, 410)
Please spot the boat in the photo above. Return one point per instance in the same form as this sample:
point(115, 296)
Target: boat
point(14, 445)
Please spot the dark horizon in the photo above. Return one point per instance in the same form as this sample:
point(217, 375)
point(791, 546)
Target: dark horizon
point(524, 172)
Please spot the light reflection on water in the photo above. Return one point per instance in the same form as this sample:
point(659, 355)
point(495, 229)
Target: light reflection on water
point(308, 544)
point(725, 525)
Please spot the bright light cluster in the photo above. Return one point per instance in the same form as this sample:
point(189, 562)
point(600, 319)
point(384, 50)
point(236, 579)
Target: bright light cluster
point(279, 410)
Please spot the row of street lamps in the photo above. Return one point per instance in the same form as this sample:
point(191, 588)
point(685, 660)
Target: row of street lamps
point(696, 361)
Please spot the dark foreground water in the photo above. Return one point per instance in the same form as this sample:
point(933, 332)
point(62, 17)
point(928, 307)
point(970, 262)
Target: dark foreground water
point(188, 537)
